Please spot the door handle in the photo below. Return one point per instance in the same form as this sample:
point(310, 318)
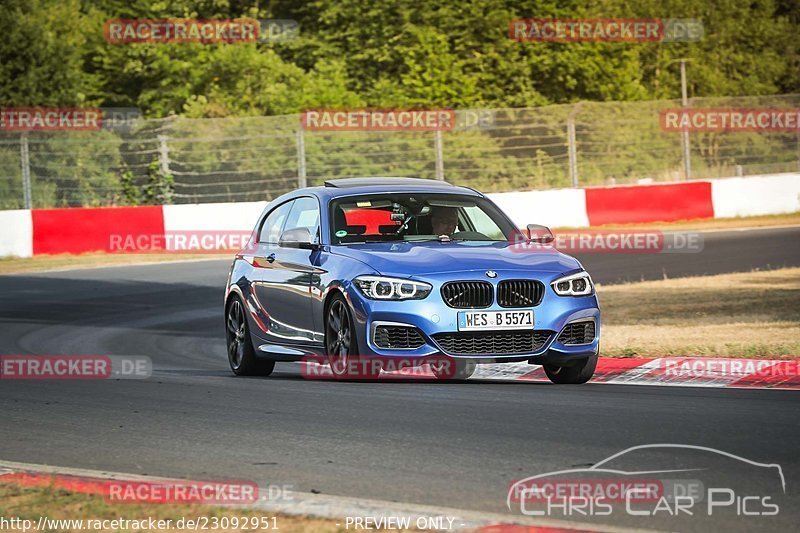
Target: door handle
point(270, 258)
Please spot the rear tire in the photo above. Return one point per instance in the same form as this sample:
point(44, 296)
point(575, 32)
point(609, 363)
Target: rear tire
point(241, 354)
point(453, 369)
point(575, 374)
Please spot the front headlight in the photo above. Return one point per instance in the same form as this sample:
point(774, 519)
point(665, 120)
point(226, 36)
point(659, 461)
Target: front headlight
point(383, 288)
point(579, 284)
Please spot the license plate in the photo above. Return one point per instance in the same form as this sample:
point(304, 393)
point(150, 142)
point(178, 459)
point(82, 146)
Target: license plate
point(479, 320)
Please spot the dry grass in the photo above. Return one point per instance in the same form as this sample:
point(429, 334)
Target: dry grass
point(790, 219)
point(751, 314)
point(32, 502)
point(16, 265)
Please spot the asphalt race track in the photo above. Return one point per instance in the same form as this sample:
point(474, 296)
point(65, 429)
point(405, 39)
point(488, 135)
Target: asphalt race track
point(451, 444)
point(723, 251)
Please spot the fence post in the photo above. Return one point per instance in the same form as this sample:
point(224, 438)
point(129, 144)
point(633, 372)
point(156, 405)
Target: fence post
point(301, 159)
point(573, 158)
point(25, 162)
point(437, 147)
point(163, 155)
point(572, 150)
point(687, 156)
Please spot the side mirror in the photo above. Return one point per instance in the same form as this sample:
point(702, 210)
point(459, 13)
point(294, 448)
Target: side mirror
point(296, 238)
point(540, 234)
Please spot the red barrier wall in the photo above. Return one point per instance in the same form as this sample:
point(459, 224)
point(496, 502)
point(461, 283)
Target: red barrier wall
point(649, 203)
point(79, 230)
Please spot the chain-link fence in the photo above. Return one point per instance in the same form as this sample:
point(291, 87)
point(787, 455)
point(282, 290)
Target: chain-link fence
point(179, 160)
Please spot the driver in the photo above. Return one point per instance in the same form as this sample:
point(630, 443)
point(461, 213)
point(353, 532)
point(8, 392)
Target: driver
point(444, 220)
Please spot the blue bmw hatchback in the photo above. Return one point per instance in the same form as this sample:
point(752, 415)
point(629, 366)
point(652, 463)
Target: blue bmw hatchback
point(406, 269)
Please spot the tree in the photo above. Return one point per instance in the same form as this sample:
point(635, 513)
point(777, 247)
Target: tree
point(43, 54)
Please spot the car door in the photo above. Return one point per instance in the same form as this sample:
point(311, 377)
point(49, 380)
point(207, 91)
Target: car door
point(283, 286)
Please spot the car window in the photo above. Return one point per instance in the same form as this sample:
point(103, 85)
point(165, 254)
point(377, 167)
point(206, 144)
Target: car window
point(304, 214)
point(482, 223)
point(413, 217)
point(273, 225)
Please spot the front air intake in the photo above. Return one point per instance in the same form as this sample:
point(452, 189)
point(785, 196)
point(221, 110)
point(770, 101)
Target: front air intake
point(578, 333)
point(391, 337)
point(491, 343)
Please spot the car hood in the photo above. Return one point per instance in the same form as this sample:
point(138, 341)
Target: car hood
point(409, 259)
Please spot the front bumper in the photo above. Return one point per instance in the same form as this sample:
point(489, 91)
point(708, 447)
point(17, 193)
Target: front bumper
point(432, 316)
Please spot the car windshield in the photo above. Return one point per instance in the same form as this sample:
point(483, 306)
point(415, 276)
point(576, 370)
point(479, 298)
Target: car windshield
point(417, 217)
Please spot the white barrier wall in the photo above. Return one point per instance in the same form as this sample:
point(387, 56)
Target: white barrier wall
point(211, 220)
point(16, 236)
point(756, 195)
point(554, 207)
point(239, 216)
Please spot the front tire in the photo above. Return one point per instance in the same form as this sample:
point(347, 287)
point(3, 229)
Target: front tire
point(575, 374)
point(241, 355)
point(341, 345)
